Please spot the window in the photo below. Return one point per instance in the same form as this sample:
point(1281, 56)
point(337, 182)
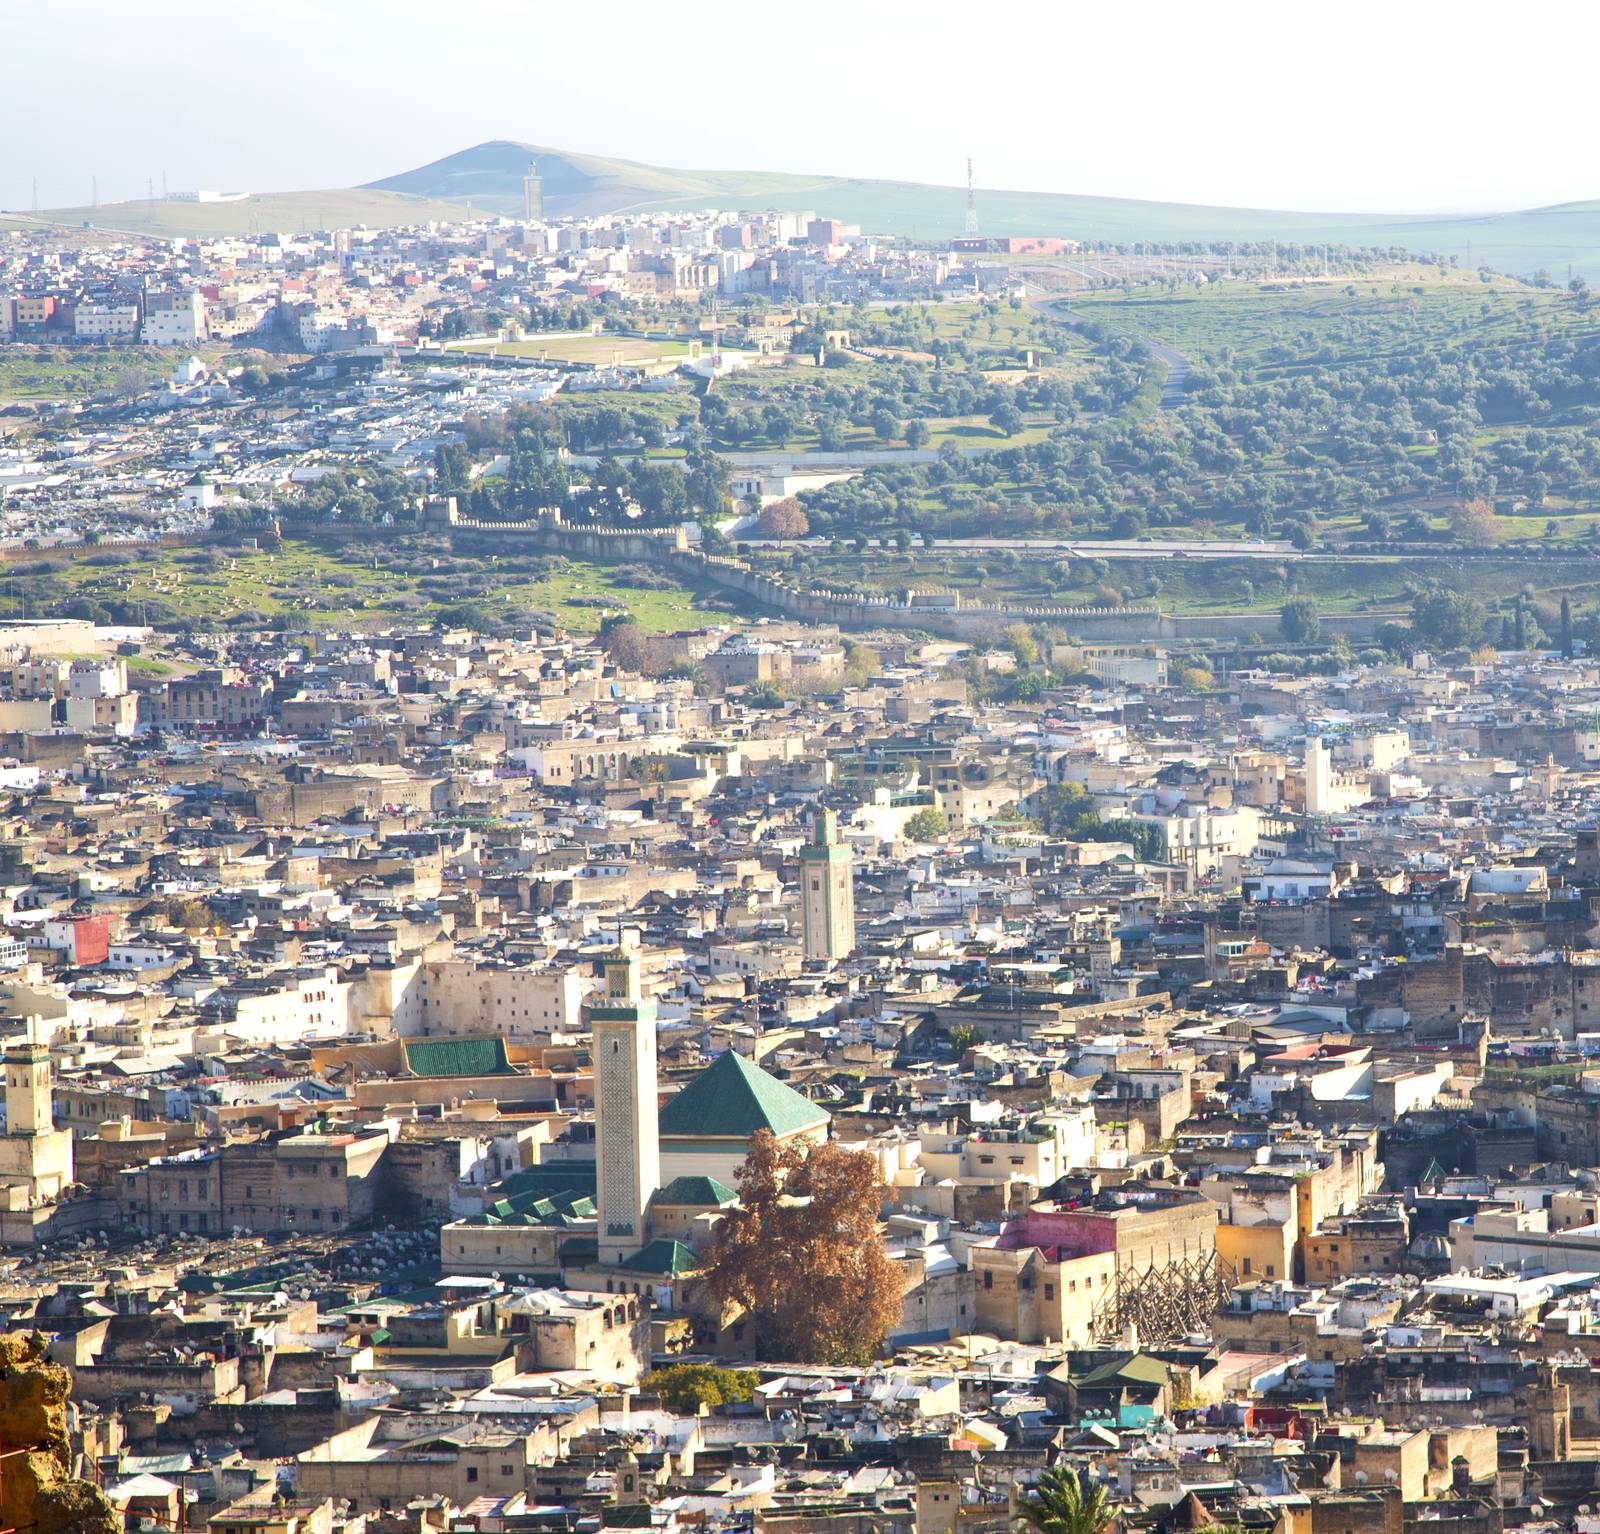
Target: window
point(988, 1278)
point(1247, 1266)
point(1050, 1291)
point(472, 1472)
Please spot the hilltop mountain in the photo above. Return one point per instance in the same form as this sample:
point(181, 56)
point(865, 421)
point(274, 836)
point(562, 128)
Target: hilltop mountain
point(487, 178)
point(490, 176)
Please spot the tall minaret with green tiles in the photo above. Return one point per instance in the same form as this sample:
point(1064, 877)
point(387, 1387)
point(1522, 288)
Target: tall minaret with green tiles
point(827, 892)
point(627, 1129)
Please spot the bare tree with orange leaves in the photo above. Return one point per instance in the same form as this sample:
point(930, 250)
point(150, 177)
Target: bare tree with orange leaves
point(802, 1254)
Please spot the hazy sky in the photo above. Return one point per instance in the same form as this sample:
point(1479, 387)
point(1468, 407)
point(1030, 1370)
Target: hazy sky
point(1394, 106)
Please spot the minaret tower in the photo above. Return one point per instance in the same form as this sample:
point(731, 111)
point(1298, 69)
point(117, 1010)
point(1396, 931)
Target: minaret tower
point(28, 1108)
point(628, 1152)
point(827, 892)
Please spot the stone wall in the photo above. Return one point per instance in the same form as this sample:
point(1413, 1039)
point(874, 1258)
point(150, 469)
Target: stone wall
point(668, 548)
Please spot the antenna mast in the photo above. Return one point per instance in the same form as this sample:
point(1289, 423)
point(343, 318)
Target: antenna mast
point(972, 200)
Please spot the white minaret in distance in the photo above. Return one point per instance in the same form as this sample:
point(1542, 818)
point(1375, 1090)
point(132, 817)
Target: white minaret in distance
point(627, 1130)
point(1319, 777)
point(827, 892)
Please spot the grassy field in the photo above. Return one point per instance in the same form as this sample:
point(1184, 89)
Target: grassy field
point(48, 372)
point(322, 587)
point(578, 346)
point(29, 372)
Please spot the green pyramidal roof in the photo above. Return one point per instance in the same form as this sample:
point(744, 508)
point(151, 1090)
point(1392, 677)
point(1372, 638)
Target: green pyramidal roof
point(458, 1057)
point(733, 1099)
point(695, 1190)
point(663, 1255)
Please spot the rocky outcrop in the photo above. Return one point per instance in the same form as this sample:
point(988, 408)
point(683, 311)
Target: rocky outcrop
point(37, 1489)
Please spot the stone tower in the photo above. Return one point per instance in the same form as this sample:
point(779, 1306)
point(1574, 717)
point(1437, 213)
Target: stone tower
point(28, 1107)
point(1549, 1415)
point(627, 1153)
point(532, 195)
point(827, 892)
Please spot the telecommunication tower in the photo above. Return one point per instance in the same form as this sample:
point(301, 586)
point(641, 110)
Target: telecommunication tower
point(972, 200)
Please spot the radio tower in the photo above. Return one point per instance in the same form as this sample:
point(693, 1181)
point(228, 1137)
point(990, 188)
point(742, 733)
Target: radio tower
point(972, 200)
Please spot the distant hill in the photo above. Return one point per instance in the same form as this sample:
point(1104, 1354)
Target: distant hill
point(487, 179)
point(490, 175)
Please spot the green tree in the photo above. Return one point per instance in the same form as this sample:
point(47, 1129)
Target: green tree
point(451, 464)
point(763, 695)
point(1300, 621)
point(1021, 643)
point(1006, 419)
point(962, 1037)
point(685, 1388)
point(1068, 810)
point(917, 434)
point(1447, 620)
point(709, 482)
point(927, 824)
point(1065, 1501)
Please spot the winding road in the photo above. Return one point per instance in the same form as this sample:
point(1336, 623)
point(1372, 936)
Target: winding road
point(1178, 366)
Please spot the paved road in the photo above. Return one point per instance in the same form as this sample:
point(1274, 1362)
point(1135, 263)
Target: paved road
point(1178, 366)
point(1089, 548)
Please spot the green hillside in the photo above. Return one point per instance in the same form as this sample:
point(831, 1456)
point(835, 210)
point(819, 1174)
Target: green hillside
point(265, 212)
